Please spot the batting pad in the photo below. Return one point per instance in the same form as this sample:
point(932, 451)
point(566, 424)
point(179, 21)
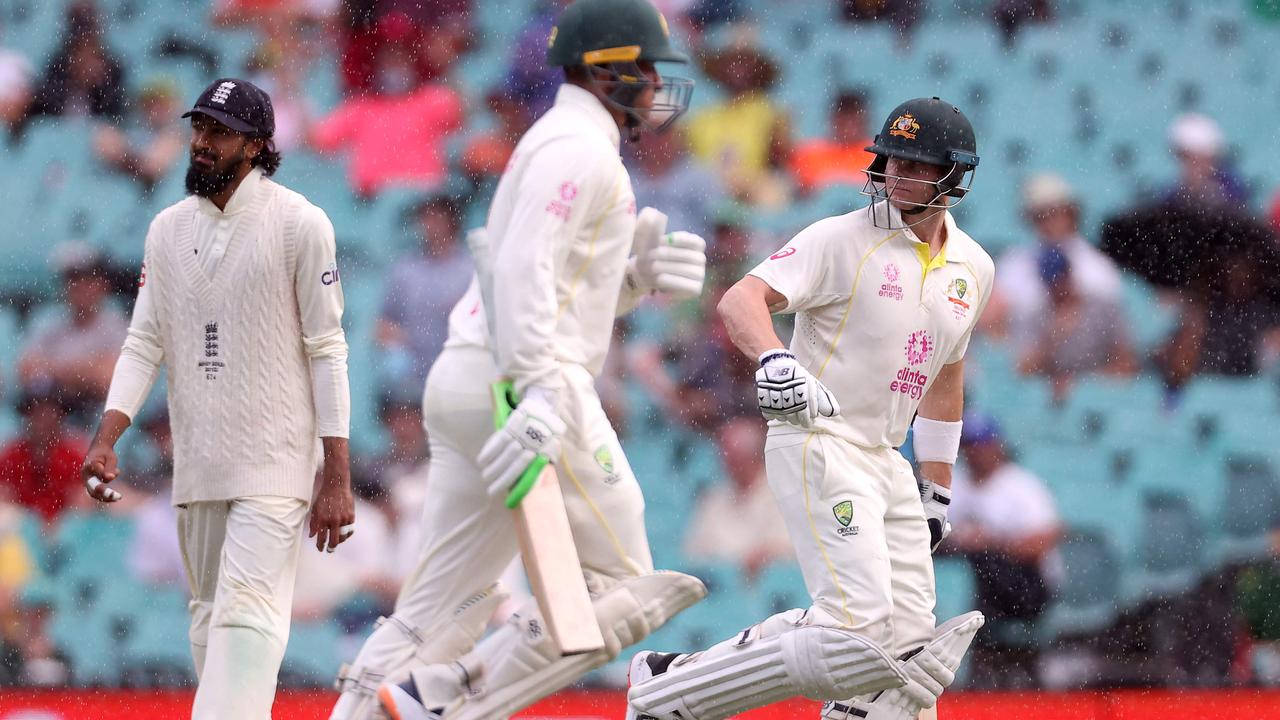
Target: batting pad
point(929, 672)
point(514, 667)
point(397, 645)
point(777, 659)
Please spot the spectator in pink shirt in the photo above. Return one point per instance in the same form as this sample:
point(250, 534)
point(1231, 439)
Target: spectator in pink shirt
point(395, 137)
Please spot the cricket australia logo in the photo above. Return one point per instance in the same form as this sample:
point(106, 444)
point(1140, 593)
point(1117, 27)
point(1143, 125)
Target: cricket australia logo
point(955, 296)
point(223, 92)
point(604, 458)
point(843, 511)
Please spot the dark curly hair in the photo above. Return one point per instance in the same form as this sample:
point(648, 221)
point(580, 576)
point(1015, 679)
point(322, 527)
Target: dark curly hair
point(269, 158)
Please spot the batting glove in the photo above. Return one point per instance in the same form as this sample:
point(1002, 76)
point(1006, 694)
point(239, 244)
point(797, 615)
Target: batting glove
point(674, 263)
point(937, 500)
point(787, 392)
point(532, 429)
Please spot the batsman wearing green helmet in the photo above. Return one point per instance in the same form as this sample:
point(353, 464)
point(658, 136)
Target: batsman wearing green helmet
point(885, 299)
point(562, 253)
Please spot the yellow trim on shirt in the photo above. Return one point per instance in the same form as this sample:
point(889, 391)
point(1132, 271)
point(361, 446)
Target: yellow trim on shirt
point(853, 293)
point(591, 254)
point(927, 263)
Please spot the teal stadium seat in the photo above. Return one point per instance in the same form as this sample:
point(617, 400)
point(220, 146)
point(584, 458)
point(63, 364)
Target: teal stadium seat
point(1088, 599)
point(1172, 548)
point(1250, 508)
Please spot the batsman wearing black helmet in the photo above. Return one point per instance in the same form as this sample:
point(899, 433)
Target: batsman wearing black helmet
point(885, 299)
point(562, 253)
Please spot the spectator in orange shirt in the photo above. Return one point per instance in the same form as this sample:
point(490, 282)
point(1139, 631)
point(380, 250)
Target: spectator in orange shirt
point(842, 158)
point(395, 136)
point(486, 155)
point(40, 470)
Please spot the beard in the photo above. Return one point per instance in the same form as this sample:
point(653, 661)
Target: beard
point(207, 183)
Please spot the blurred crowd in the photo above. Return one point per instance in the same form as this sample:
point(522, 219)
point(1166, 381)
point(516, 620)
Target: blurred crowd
point(1059, 306)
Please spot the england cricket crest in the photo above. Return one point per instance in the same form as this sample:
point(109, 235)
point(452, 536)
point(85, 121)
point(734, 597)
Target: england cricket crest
point(844, 512)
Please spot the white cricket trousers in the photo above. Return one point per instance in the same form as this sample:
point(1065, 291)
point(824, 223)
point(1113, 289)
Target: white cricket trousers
point(241, 557)
point(469, 537)
point(855, 517)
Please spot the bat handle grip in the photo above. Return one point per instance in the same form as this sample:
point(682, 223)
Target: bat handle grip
point(527, 480)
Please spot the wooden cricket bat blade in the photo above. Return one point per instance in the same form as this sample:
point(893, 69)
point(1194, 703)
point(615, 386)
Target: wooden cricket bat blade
point(553, 568)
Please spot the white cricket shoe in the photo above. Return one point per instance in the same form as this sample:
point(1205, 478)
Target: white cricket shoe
point(645, 665)
point(403, 702)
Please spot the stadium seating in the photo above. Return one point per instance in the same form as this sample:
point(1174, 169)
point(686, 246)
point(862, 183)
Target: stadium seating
point(1154, 492)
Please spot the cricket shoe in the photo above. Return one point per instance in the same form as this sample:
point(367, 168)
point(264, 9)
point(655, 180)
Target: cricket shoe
point(404, 702)
point(645, 665)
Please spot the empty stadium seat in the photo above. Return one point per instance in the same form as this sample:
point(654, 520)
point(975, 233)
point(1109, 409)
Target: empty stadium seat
point(1250, 509)
point(1088, 599)
point(1171, 549)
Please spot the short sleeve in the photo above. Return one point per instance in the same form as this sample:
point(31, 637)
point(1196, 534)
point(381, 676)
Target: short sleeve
point(800, 270)
point(986, 272)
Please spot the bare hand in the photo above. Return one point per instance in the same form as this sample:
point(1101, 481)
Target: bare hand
point(100, 463)
point(334, 506)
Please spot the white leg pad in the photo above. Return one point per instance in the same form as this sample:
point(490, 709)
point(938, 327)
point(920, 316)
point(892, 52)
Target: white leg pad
point(398, 644)
point(929, 672)
point(520, 664)
point(791, 653)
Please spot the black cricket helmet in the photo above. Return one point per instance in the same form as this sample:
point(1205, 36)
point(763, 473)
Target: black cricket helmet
point(610, 38)
point(927, 130)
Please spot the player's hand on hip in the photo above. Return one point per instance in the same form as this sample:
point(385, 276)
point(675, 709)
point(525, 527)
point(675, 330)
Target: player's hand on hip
point(674, 263)
point(333, 511)
point(533, 428)
point(936, 500)
point(786, 391)
point(98, 469)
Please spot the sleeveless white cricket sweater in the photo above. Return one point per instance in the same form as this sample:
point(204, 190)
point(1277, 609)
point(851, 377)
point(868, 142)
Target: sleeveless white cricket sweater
point(240, 402)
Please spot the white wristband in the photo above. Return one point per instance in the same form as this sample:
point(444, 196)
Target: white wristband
point(936, 440)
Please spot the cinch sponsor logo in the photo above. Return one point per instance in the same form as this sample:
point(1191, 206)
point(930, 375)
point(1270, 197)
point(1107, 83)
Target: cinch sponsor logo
point(330, 276)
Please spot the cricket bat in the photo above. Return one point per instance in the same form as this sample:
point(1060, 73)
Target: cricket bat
point(929, 713)
point(542, 526)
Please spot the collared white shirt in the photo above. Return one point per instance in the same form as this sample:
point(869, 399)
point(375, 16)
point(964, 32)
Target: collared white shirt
point(560, 228)
point(876, 317)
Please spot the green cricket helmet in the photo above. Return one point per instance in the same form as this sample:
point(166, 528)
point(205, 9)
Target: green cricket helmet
point(927, 130)
point(611, 38)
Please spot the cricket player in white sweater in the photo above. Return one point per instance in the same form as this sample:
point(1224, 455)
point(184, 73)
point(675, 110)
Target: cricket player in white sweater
point(568, 255)
point(239, 300)
point(885, 300)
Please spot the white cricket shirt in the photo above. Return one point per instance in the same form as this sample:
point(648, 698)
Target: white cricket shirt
point(561, 227)
point(876, 318)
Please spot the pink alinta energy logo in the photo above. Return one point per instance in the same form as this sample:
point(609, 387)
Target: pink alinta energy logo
point(890, 288)
point(919, 347)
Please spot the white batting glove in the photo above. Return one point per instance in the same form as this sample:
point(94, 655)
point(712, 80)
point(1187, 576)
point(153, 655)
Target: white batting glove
point(937, 500)
point(671, 262)
point(532, 429)
point(787, 392)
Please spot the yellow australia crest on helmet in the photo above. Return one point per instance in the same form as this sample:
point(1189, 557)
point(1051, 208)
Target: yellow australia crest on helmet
point(905, 126)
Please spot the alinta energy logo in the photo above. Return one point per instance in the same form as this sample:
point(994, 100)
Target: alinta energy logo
point(890, 287)
point(910, 381)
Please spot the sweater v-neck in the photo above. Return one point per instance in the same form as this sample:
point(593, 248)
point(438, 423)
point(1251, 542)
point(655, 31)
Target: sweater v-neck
point(245, 203)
